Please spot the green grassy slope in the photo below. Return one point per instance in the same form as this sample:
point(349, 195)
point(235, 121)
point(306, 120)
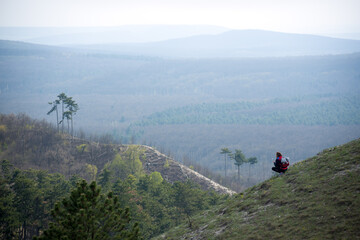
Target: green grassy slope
point(318, 198)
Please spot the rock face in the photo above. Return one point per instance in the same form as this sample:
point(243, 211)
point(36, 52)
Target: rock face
point(173, 171)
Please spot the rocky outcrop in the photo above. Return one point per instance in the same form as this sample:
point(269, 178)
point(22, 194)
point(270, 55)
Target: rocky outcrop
point(173, 171)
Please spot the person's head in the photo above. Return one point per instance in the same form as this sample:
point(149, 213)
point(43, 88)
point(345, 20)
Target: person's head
point(278, 154)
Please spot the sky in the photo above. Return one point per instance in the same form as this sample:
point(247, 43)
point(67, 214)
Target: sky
point(296, 16)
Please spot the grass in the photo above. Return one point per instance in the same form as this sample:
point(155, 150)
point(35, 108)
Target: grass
point(318, 198)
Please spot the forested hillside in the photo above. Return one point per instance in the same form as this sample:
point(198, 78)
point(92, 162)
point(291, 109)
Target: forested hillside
point(39, 166)
point(315, 199)
point(328, 110)
point(30, 143)
point(28, 196)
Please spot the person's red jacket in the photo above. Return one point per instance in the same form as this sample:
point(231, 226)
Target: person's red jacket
point(282, 166)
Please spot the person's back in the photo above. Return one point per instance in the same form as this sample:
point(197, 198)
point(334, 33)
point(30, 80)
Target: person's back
point(280, 163)
point(278, 160)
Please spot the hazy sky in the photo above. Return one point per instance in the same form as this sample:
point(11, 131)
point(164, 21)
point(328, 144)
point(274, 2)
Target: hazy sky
point(301, 16)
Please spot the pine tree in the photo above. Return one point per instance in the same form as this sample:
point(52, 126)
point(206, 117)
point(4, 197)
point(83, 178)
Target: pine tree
point(54, 107)
point(185, 199)
point(68, 117)
point(225, 151)
point(72, 107)
point(88, 214)
point(9, 217)
point(26, 201)
point(251, 161)
point(239, 158)
point(62, 97)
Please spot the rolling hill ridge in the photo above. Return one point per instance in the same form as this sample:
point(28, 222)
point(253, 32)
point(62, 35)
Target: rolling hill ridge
point(237, 44)
point(33, 144)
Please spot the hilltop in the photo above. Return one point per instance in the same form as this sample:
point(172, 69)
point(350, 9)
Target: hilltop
point(237, 43)
point(101, 35)
point(316, 199)
point(33, 144)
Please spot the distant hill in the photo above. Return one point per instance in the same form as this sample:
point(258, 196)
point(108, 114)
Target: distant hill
point(316, 199)
point(239, 43)
point(101, 35)
point(18, 48)
point(184, 41)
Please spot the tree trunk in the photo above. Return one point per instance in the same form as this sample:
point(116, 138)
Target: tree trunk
point(188, 217)
point(72, 128)
point(225, 164)
point(57, 119)
point(62, 122)
point(24, 230)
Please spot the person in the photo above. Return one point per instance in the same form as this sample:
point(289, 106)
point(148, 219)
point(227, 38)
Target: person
point(280, 166)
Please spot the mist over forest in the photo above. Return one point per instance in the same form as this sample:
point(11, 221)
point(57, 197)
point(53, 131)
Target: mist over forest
point(190, 96)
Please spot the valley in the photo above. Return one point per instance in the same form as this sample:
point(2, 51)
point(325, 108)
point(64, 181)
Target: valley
point(152, 119)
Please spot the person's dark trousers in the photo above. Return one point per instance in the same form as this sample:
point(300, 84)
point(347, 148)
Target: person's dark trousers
point(276, 169)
